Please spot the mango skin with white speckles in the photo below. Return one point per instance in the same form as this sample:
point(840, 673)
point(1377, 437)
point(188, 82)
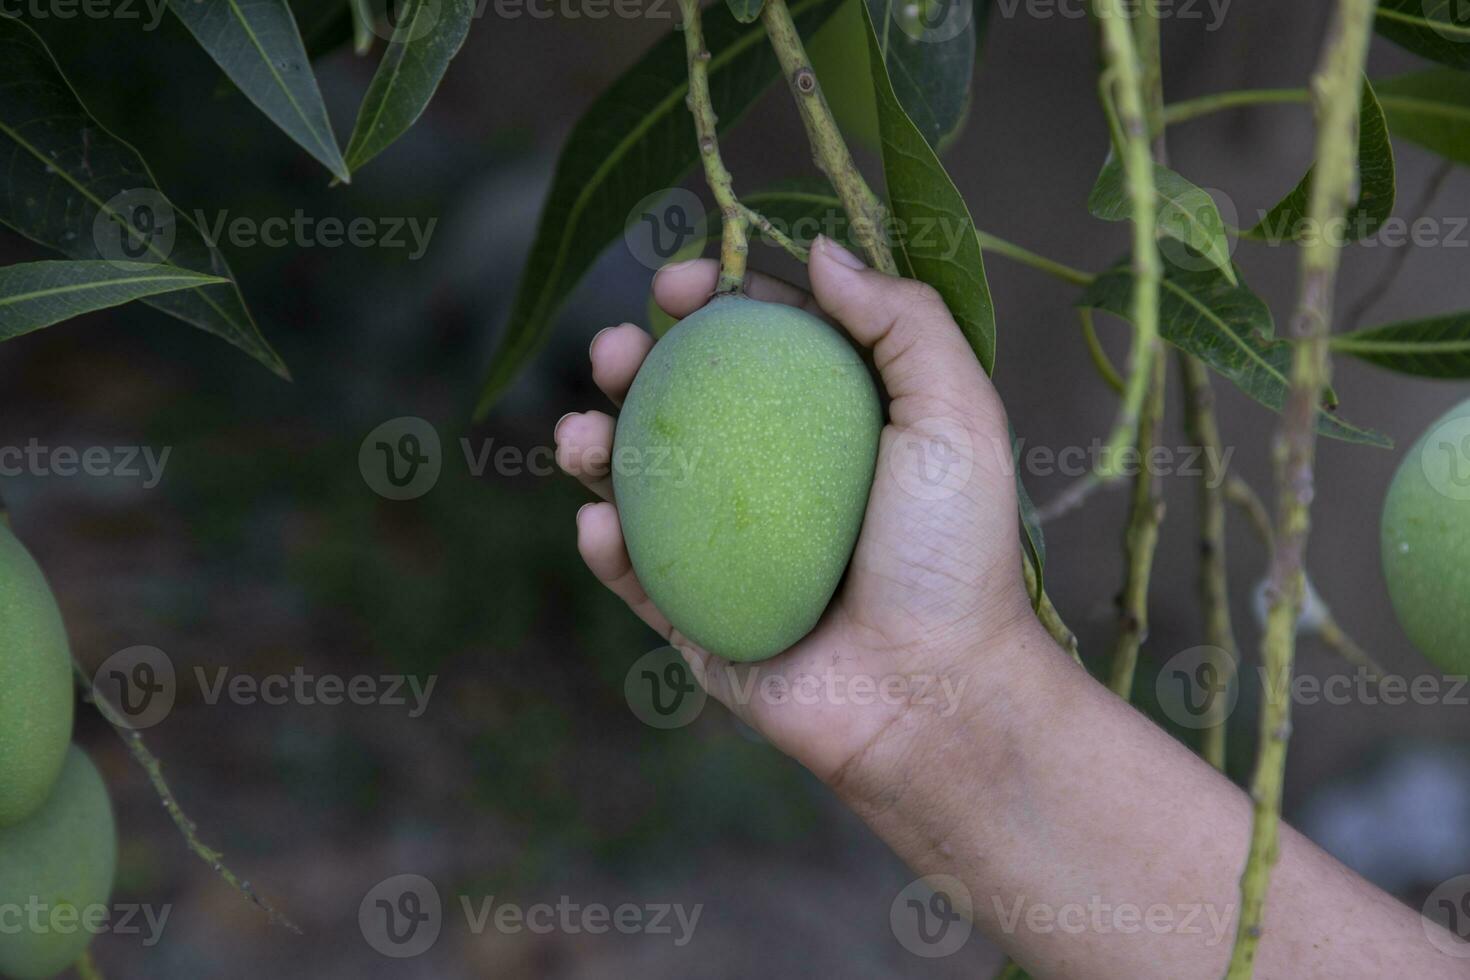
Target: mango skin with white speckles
point(742, 464)
point(36, 701)
point(56, 874)
point(1426, 544)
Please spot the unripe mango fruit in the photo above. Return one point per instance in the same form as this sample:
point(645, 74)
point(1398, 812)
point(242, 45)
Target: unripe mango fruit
point(35, 684)
point(1426, 542)
point(741, 466)
point(56, 873)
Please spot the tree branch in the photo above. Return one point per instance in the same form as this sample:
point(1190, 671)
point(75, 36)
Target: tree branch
point(1336, 89)
point(864, 209)
point(150, 765)
point(734, 244)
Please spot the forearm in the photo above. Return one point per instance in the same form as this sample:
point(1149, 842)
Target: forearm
point(1093, 844)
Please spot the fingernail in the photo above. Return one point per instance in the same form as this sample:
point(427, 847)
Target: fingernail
point(839, 254)
point(675, 267)
point(582, 508)
point(556, 429)
point(593, 346)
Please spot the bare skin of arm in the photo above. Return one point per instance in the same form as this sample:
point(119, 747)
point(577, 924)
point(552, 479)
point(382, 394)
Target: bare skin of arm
point(1088, 842)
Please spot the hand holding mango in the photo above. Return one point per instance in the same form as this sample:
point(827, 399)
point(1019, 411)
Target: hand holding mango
point(737, 554)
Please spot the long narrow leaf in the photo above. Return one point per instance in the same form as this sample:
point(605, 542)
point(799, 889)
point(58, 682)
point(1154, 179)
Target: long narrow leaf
point(936, 239)
point(1288, 219)
point(1431, 108)
point(257, 45)
point(1229, 328)
point(38, 294)
point(426, 39)
point(1435, 347)
point(1435, 29)
point(69, 184)
point(1183, 212)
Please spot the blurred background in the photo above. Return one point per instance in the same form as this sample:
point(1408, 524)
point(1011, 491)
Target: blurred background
point(262, 550)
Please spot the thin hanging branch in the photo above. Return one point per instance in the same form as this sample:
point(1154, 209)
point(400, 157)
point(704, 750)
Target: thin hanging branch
point(1214, 582)
point(1335, 87)
point(1123, 98)
point(864, 209)
point(1140, 540)
point(154, 769)
point(734, 243)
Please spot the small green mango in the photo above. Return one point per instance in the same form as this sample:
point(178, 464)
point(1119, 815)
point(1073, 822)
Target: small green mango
point(56, 874)
point(1426, 542)
point(35, 684)
point(741, 465)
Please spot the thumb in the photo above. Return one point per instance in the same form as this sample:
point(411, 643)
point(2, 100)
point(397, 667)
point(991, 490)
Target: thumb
point(927, 366)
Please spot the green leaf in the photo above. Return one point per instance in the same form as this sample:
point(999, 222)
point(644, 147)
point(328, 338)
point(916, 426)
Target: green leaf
point(1431, 108)
point(1229, 328)
point(37, 294)
point(935, 235)
point(745, 11)
point(1435, 29)
point(1183, 212)
point(930, 64)
point(428, 35)
point(257, 45)
point(1288, 219)
point(1435, 347)
point(636, 138)
point(69, 184)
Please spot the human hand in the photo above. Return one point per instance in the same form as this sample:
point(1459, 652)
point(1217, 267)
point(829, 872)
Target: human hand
point(935, 580)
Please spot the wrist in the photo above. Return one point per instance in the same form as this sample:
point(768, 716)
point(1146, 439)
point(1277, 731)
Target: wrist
point(982, 696)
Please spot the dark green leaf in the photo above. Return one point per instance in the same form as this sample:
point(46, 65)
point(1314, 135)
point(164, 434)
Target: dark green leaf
point(1288, 219)
point(1226, 326)
point(1431, 108)
point(745, 11)
point(1436, 347)
point(70, 185)
point(1183, 212)
point(428, 35)
point(929, 50)
point(935, 236)
point(37, 294)
point(1435, 29)
point(636, 138)
point(257, 45)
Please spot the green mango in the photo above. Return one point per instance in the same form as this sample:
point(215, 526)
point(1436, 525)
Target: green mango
point(1426, 542)
point(56, 874)
point(35, 684)
point(741, 466)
